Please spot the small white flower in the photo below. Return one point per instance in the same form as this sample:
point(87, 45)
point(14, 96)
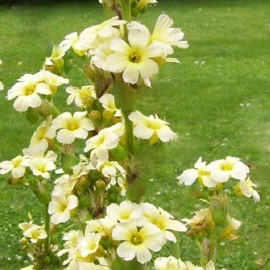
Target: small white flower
point(151, 128)
point(200, 173)
point(60, 207)
point(222, 170)
point(16, 166)
point(72, 126)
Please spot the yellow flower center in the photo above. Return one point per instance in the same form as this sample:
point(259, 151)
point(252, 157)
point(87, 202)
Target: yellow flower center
point(136, 240)
point(73, 126)
point(226, 166)
point(29, 90)
point(135, 58)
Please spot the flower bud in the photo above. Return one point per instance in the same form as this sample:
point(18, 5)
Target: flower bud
point(219, 208)
point(89, 72)
point(24, 241)
point(32, 115)
point(46, 109)
point(118, 153)
point(100, 184)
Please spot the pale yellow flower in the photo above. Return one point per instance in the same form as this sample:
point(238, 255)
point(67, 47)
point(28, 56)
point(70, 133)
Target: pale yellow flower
point(137, 242)
point(124, 212)
point(41, 138)
point(189, 176)
point(232, 226)
point(224, 169)
point(166, 36)
point(72, 126)
point(89, 244)
point(100, 144)
point(162, 220)
point(72, 40)
point(134, 59)
point(151, 128)
point(61, 206)
point(170, 263)
point(27, 93)
point(16, 166)
point(90, 38)
point(245, 187)
point(107, 102)
point(35, 233)
point(41, 166)
point(82, 97)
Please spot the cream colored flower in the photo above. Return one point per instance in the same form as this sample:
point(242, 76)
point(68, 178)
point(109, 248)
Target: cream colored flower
point(232, 226)
point(137, 242)
point(134, 59)
point(151, 128)
point(100, 144)
point(41, 166)
point(42, 137)
point(61, 206)
point(245, 187)
point(72, 40)
point(224, 169)
point(189, 176)
point(72, 126)
point(89, 244)
point(166, 36)
point(124, 212)
point(90, 38)
point(16, 166)
point(35, 233)
point(170, 263)
point(27, 93)
point(162, 220)
point(107, 102)
point(82, 97)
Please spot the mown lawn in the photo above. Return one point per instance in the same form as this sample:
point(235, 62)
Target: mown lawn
point(217, 100)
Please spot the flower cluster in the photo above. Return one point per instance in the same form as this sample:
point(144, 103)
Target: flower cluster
point(137, 56)
point(217, 173)
point(130, 229)
point(165, 263)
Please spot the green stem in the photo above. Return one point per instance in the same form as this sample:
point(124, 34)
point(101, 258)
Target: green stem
point(129, 137)
point(175, 247)
point(126, 10)
point(119, 263)
point(209, 249)
point(47, 229)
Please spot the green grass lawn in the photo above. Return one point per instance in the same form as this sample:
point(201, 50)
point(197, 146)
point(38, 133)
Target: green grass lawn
point(217, 100)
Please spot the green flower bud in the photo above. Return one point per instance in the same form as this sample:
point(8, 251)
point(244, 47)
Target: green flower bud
point(32, 115)
point(219, 208)
point(118, 153)
point(46, 109)
point(94, 175)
